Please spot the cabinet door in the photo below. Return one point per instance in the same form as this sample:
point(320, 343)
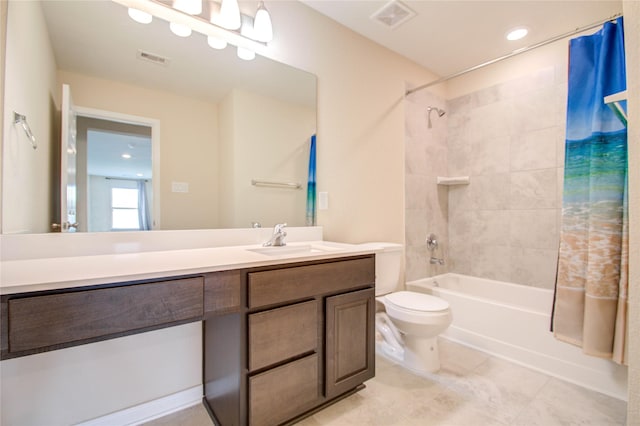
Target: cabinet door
point(350, 346)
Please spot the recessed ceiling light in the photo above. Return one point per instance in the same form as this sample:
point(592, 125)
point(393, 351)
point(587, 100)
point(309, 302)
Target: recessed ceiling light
point(126, 156)
point(517, 33)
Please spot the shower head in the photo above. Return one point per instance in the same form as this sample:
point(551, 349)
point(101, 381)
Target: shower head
point(440, 112)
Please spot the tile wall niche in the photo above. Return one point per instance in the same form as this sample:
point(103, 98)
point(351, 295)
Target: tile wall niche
point(425, 202)
point(509, 139)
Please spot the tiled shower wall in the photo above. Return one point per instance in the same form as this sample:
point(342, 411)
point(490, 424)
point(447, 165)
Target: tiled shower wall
point(509, 139)
point(425, 202)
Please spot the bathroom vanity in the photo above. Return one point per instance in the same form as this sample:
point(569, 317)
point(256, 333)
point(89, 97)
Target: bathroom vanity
point(298, 337)
point(283, 336)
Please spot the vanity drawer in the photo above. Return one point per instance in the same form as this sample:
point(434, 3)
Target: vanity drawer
point(279, 394)
point(283, 333)
point(61, 319)
point(282, 285)
point(222, 292)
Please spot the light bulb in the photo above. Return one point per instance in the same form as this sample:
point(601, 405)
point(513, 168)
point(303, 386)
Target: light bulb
point(247, 31)
point(192, 7)
point(230, 14)
point(262, 27)
point(140, 16)
point(180, 30)
point(216, 43)
point(246, 54)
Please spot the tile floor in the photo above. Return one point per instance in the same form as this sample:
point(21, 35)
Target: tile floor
point(471, 389)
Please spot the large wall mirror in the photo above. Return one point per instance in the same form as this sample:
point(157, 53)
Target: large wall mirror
point(187, 126)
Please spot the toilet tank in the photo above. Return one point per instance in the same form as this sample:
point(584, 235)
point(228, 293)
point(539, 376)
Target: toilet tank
point(388, 266)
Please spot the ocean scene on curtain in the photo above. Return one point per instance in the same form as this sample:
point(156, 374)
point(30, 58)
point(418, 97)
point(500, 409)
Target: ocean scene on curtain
point(311, 184)
point(591, 285)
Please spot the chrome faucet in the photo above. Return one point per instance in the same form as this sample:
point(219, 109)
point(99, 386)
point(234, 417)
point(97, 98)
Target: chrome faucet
point(436, 261)
point(277, 239)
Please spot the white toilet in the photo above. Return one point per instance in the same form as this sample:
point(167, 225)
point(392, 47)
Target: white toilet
point(408, 328)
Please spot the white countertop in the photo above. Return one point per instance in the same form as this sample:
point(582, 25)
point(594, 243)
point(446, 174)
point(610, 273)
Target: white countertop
point(27, 275)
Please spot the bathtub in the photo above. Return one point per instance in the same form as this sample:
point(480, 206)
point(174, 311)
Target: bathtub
point(512, 321)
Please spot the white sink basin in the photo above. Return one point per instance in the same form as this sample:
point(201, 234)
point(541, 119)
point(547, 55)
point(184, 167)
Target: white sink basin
point(296, 249)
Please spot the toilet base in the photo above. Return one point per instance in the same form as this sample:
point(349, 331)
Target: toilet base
point(421, 354)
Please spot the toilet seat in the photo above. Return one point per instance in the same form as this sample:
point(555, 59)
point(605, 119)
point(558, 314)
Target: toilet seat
point(416, 302)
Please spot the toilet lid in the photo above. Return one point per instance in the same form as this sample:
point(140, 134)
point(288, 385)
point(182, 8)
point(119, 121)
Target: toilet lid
point(417, 301)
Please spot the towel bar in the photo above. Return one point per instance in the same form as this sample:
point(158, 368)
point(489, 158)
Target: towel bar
point(22, 121)
point(289, 185)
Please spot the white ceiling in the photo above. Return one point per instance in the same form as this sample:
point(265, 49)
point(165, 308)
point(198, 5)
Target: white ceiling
point(448, 36)
point(97, 38)
point(105, 150)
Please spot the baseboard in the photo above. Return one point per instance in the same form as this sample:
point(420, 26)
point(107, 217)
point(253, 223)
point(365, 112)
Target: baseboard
point(150, 410)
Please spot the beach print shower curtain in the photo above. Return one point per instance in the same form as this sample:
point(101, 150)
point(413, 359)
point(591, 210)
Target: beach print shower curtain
point(590, 306)
point(311, 184)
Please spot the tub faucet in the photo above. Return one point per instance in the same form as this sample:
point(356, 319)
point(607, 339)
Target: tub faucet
point(436, 261)
point(277, 238)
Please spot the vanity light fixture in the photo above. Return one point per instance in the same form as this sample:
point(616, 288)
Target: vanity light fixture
point(246, 54)
point(179, 29)
point(140, 16)
point(216, 43)
point(192, 7)
point(262, 27)
point(230, 14)
point(247, 31)
point(517, 33)
point(217, 26)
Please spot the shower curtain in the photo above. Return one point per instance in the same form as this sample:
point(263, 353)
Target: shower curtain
point(311, 184)
point(590, 308)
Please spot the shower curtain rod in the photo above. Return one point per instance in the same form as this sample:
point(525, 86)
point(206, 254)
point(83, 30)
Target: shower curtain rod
point(514, 53)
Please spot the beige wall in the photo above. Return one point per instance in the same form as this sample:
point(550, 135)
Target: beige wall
point(632, 41)
point(360, 163)
point(270, 142)
point(360, 149)
point(188, 144)
point(4, 6)
point(31, 90)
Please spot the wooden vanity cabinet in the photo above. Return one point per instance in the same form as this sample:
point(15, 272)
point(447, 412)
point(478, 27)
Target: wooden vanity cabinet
point(280, 342)
point(49, 320)
point(306, 339)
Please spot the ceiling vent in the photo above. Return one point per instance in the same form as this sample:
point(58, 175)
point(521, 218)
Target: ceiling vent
point(393, 14)
point(152, 57)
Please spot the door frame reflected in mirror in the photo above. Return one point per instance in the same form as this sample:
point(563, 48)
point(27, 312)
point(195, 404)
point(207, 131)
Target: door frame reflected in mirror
point(154, 125)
